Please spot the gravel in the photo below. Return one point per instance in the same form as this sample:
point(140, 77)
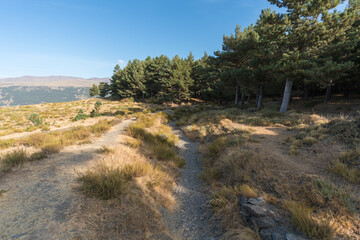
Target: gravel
point(194, 218)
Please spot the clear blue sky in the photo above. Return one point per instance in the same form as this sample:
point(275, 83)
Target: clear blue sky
point(87, 38)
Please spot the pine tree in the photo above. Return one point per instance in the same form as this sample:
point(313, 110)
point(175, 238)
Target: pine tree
point(94, 91)
point(308, 33)
point(104, 89)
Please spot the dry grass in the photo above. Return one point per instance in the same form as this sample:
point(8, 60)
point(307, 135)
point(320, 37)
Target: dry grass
point(301, 217)
point(347, 165)
point(135, 188)
point(13, 159)
point(105, 150)
point(157, 138)
point(278, 177)
point(55, 115)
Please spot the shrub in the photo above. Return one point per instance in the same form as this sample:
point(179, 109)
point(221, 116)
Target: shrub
point(345, 130)
point(80, 115)
point(301, 217)
point(35, 119)
point(13, 159)
point(96, 110)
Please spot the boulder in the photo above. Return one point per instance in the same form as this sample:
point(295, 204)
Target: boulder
point(257, 201)
point(264, 222)
point(258, 211)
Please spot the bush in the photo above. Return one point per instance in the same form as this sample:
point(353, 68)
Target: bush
point(96, 110)
point(13, 159)
point(35, 119)
point(80, 115)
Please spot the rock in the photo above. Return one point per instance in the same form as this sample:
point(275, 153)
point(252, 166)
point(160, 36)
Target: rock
point(276, 233)
point(293, 236)
point(257, 211)
point(264, 222)
point(257, 201)
point(242, 200)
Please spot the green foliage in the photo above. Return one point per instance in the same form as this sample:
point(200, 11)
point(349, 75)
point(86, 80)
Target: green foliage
point(80, 115)
point(35, 119)
point(96, 109)
point(94, 91)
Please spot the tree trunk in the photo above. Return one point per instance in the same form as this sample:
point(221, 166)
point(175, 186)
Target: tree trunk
point(257, 96)
point(328, 93)
point(313, 92)
point(346, 91)
point(286, 97)
point(242, 101)
point(261, 96)
point(237, 94)
point(306, 93)
point(248, 99)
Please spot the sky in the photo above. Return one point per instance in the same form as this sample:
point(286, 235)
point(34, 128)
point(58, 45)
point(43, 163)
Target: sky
point(87, 38)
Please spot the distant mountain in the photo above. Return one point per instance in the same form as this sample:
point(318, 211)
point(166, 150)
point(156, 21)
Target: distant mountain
point(34, 90)
point(51, 81)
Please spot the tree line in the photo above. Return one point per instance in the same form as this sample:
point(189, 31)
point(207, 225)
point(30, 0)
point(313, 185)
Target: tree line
point(309, 49)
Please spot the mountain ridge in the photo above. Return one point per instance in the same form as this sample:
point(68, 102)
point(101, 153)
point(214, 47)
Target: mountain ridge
point(51, 81)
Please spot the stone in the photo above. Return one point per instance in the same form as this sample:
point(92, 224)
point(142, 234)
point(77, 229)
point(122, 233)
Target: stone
point(242, 200)
point(257, 211)
point(276, 233)
point(257, 201)
point(293, 236)
point(264, 222)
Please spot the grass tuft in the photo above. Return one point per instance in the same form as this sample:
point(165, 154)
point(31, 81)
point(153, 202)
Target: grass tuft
point(105, 150)
point(13, 159)
point(301, 217)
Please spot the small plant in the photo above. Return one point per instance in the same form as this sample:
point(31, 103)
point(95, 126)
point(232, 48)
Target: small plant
point(96, 109)
point(13, 159)
point(35, 119)
point(301, 217)
point(80, 115)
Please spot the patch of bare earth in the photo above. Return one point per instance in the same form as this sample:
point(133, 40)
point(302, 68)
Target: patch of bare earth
point(40, 201)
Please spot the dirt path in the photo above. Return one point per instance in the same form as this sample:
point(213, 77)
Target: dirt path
point(40, 195)
point(193, 219)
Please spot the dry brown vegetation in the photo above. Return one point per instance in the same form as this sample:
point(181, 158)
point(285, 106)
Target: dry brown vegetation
point(305, 163)
point(136, 181)
point(60, 115)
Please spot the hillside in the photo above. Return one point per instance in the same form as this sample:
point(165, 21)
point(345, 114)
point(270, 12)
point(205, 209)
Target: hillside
point(50, 81)
point(191, 171)
point(29, 90)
